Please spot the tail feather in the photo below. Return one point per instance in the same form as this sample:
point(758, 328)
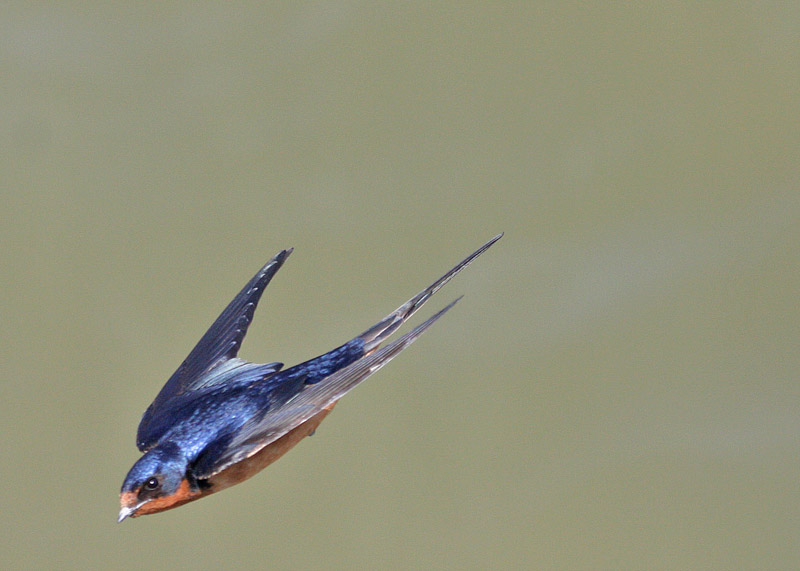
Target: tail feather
point(379, 332)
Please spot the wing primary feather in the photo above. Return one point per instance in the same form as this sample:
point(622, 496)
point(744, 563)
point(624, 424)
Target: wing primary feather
point(219, 344)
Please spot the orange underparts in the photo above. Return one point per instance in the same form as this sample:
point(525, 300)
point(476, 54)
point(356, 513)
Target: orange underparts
point(251, 466)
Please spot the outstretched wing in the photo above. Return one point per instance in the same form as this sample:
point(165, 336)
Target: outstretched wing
point(220, 343)
point(254, 436)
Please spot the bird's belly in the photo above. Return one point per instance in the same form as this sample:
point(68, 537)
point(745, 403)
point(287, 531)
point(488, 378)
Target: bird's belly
point(251, 466)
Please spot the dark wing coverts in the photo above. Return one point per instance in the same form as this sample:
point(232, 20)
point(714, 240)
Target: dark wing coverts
point(220, 343)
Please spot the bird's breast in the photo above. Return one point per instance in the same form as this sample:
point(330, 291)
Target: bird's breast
point(252, 465)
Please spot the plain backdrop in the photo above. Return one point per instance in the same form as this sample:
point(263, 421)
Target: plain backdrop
point(618, 389)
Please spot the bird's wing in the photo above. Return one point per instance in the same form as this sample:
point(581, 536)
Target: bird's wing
point(220, 344)
point(255, 435)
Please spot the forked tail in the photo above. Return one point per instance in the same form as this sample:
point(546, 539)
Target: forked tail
point(379, 332)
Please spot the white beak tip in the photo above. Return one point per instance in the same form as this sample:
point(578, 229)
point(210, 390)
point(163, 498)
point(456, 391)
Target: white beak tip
point(125, 512)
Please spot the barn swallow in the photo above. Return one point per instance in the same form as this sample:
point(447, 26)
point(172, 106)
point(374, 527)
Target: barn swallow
point(220, 420)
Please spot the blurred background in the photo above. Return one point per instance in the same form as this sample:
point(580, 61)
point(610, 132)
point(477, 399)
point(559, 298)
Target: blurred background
point(619, 386)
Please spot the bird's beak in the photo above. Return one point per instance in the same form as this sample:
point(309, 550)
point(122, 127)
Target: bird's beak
point(125, 512)
point(130, 505)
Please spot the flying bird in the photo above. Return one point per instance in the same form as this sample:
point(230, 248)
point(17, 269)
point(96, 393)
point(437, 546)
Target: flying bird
point(220, 419)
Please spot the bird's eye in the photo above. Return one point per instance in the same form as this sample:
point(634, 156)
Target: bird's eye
point(151, 484)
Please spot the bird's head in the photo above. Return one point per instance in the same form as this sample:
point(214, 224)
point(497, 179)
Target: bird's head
point(158, 481)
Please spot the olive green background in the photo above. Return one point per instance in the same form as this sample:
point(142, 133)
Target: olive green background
point(618, 389)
